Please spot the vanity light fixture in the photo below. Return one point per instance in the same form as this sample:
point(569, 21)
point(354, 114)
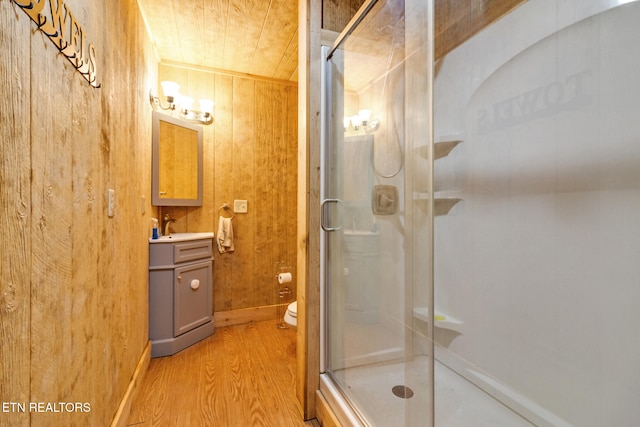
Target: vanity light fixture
point(183, 104)
point(370, 126)
point(362, 119)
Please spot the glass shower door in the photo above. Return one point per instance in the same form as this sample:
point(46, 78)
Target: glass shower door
point(376, 214)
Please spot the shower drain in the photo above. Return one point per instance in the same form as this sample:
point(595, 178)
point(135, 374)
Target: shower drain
point(402, 391)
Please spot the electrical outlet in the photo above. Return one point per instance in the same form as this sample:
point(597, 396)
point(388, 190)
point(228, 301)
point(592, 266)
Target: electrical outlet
point(240, 206)
point(111, 202)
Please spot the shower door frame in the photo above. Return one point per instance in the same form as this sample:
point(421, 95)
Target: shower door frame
point(338, 401)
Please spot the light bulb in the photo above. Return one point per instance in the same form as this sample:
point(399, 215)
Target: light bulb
point(356, 121)
point(185, 103)
point(170, 89)
point(365, 116)
point(206, 106)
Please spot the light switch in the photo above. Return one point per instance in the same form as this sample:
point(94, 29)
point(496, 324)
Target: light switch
point(240, 206)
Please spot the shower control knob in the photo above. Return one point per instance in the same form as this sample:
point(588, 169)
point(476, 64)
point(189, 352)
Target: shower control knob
point(385, 201)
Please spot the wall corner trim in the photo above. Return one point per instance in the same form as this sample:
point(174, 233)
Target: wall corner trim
point(122, 414)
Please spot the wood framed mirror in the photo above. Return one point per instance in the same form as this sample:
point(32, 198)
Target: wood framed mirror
point(176, 162)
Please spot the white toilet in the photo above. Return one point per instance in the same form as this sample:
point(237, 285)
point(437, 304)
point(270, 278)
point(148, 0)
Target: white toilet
point(291, 316)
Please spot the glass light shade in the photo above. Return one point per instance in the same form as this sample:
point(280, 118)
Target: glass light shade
point(169, 88)
point(372, 125)
point(346, 122)
point(365, 115)
point(185, 102)
point(356, 121)
point(206, 106)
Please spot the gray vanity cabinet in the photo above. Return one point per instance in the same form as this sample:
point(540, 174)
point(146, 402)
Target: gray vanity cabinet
point(180, 297)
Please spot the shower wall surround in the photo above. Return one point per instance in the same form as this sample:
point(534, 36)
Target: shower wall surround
point(541, 259)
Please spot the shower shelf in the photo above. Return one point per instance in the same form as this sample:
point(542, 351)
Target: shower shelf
point(441, 320)
point(445, 200)
point(440, 195)
point(444, 145)
point(443, 206)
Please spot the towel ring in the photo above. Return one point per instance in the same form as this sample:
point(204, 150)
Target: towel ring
point(225, 208)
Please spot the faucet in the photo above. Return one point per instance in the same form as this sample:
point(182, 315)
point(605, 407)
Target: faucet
point(167, 221)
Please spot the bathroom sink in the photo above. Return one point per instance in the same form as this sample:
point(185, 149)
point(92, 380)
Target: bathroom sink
point(179, 237)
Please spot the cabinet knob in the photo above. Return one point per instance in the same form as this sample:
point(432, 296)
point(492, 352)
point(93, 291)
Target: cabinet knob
point(180, 278)
point(195, 284)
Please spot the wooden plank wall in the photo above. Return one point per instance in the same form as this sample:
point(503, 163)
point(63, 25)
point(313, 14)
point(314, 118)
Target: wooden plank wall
point(15, 199)
point(458, 20)
point(250, 154)
point(336, 14)
point(73, 282)
point(308, 239)
point(455, 20)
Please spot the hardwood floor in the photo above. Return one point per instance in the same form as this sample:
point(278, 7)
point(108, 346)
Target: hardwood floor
point(242, 376)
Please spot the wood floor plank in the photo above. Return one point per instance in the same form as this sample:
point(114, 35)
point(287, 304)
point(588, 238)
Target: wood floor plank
point(241, 376)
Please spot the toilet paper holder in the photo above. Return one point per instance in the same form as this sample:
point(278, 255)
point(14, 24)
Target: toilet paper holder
point(283, 292)
point(284, 278)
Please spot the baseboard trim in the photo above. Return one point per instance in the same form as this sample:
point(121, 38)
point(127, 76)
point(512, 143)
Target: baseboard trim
point(248, 315)
point(324, 413)
point(122, 414)
point(336, 404)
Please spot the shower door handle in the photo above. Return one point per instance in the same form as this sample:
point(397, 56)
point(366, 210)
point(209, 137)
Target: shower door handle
point(324, 216)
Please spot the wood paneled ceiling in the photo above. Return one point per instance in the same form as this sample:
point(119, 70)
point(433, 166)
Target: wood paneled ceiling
point(257, 37)
point(260, 37)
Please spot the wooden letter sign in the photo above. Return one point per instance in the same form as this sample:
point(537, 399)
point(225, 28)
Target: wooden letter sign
point(59, 24)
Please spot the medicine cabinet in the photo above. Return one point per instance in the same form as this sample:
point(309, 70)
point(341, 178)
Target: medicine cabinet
point(176, 162)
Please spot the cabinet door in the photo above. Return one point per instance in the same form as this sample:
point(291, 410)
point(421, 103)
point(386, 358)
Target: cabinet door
point(192, 296)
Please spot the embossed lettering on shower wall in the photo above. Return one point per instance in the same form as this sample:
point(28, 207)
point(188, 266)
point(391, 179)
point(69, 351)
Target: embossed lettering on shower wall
point(543, 101)
point(54, 19)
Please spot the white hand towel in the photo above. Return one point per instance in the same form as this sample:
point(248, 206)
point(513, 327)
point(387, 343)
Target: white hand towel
point(225, 235)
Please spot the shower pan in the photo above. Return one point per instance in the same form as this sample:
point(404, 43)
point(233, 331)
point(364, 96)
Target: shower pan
point(479, 214)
